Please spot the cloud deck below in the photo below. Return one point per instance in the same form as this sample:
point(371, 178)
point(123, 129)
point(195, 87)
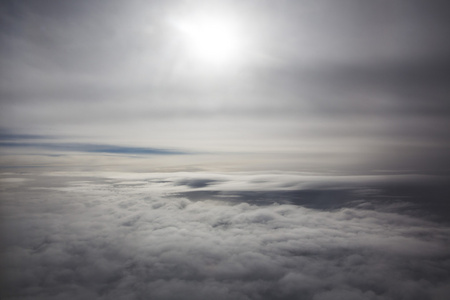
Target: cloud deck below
point(117, 237)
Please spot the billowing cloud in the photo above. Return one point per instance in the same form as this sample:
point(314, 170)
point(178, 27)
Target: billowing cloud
point(128, 237)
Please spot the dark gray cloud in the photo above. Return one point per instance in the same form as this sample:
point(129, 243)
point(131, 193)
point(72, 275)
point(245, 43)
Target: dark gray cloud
point(117, 236)
point(196, 183)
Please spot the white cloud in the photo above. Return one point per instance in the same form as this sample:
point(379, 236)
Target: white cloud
point(102, 238)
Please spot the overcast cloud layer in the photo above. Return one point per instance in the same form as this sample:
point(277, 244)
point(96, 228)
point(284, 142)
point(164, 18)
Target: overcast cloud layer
point(346, 85)
point(118, 236)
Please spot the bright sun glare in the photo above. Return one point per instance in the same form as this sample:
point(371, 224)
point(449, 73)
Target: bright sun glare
point(211, 39)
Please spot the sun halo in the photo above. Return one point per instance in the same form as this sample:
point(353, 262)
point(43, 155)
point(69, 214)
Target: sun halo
point(211, 39)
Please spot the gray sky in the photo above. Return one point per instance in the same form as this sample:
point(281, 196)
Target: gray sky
point(331, 86)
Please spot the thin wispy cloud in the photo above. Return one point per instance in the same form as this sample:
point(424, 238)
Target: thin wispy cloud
point(349, 86)
point(91, 148)
point(20, 137)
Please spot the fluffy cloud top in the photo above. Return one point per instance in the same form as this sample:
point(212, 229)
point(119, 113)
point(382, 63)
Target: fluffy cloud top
point(129, 238)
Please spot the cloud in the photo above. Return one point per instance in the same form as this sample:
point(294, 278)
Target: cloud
point(196, 183)
point(6, 136)
point(101, 238)
point(338, 85)
point(90, 148)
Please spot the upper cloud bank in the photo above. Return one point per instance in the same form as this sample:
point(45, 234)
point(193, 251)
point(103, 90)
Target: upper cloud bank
point(123, 238)
point(328, 84)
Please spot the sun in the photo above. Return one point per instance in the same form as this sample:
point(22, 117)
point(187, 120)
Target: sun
point(212, 39)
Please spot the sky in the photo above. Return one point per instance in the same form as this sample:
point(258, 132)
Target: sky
point(252, 149)
point(347, 86)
